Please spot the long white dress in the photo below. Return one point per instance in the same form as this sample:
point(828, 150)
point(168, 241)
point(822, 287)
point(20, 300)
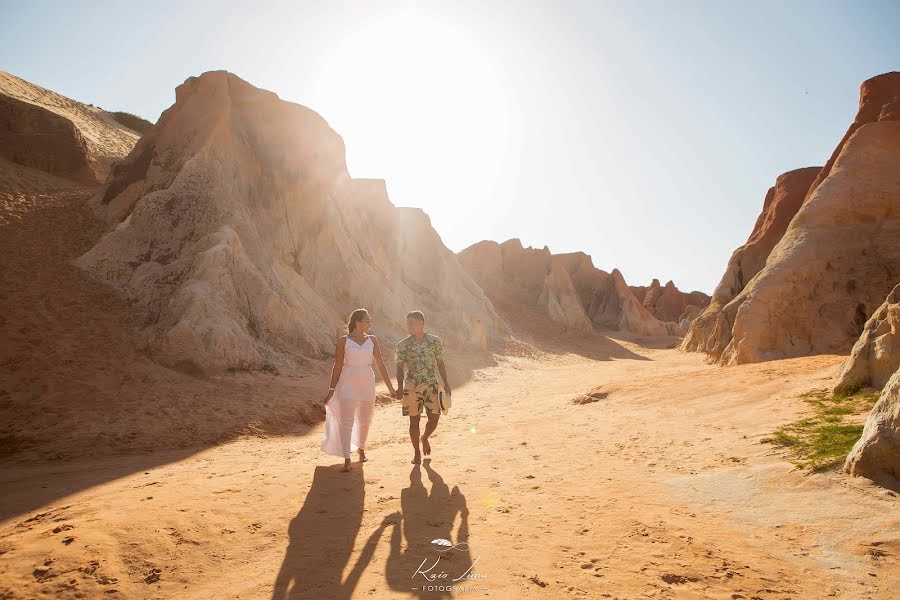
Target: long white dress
point(349, 412)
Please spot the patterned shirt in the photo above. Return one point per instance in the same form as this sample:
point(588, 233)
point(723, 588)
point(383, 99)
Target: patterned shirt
point(420, 358)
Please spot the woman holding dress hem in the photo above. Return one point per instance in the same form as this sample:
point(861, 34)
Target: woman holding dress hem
point(350, 401)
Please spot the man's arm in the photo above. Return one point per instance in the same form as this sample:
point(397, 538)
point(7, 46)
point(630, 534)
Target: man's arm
point(400, 379)
point(443, 371)
point(439, 360)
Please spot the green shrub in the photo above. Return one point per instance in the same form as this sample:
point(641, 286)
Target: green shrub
point(823, 440)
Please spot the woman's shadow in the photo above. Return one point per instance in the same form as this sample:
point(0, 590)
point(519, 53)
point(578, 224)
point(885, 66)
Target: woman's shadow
point(322, 536)
point(323, 533)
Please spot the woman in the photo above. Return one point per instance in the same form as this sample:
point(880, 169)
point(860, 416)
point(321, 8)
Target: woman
point(350, 400)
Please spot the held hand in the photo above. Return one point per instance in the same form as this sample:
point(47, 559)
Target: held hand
point(399, 394)
point(328, 397)
point(447, 390)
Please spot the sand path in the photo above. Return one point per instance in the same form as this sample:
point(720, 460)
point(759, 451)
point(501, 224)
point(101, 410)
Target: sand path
point(661, 489)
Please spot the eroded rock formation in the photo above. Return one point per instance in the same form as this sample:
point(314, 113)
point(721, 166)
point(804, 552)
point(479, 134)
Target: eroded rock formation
point(235, 226)
point(615, 306)
point(876, 354)
point(532, 276)
point(566, 287)
point(710, 331)
point(835, 263)
point(877, 453)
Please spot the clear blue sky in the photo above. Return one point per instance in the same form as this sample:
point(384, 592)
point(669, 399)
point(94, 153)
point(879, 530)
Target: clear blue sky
point(644, 133)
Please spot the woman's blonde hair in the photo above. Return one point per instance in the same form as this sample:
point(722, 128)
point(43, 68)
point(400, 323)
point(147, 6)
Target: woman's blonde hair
point(357, 315)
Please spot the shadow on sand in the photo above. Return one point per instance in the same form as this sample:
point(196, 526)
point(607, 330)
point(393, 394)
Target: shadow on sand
point(323, 534)
point(421, 567)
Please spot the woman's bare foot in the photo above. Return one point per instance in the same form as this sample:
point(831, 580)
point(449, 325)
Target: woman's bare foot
point(362, 455)
point(417, 459)
point(426, 447)
point(346, 465)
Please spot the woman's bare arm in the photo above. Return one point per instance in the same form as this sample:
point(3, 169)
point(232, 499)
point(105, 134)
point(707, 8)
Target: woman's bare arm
point(337, 368)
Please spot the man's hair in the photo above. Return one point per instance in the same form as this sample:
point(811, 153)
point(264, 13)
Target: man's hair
point(416, 314)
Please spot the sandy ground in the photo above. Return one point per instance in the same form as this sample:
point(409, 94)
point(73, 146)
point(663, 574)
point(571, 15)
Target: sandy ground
point(122, 479)
point(661, 489)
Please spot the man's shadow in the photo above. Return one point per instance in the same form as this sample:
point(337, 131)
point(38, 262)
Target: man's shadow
point(427, 517)
point(322, 536)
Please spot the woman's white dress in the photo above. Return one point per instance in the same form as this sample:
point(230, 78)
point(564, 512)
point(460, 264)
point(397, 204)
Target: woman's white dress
point(349, 412)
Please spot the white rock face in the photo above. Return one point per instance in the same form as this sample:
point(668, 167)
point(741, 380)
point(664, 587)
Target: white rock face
point(235, 225)
point(876, 354)
point(877, 454)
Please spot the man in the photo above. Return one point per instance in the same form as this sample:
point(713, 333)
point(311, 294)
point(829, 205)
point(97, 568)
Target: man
point(417, 384)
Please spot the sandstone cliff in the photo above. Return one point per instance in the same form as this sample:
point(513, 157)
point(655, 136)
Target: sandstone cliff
point(710, 331)
point(668, 303)
point(837, 259)
point(236, 227)
point(877, 453)
point(566, 287)
point(876, 354)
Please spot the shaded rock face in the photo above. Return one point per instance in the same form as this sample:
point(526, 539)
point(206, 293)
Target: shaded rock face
point(235, 225)
point(837, 259)
point(36, 137)
point(667, 303)
point(876, 455)
point(567, 287)
point(687, 316)
point(707, 333)
point(876, 354)
point(531, 276)
point(614, 306)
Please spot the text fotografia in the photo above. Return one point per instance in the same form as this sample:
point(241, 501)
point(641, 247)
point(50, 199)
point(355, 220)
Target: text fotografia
point(447, 588)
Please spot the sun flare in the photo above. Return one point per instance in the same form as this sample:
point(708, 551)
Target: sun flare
point(401, 82)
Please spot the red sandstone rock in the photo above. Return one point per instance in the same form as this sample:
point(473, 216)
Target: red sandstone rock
point(879, 100)
point(567, 287)
point(667, 303)
point(707, 332)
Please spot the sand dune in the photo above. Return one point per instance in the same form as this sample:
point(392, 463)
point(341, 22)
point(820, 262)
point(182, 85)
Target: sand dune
point(107, 139)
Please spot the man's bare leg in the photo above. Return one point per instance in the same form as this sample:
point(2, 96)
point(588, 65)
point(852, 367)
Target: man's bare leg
point(414, 437)
point(430, 426)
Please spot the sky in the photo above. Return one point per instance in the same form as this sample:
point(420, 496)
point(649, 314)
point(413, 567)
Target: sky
point(644, 133)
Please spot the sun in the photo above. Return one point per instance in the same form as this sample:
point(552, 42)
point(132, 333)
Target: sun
point(422, 104)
